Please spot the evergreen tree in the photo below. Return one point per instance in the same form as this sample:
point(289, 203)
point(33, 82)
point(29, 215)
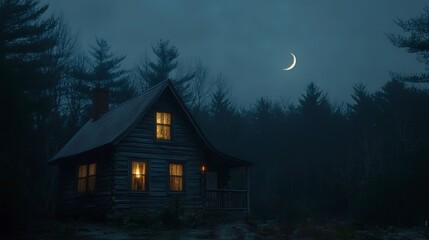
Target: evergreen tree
point(363, 117)
point(224, 117)
point(221, 106)
point(416, 40)
point(152, 72)
point(28, 75)
point(314, 103)
point(104, 71)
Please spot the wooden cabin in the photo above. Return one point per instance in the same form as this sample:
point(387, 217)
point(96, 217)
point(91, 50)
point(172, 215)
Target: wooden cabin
point(147, 154)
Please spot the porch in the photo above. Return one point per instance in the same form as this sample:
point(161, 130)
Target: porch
point(226, 190)
point(225, 184)
point(226, 200)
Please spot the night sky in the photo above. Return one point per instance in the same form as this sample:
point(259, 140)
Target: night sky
point(337, 42)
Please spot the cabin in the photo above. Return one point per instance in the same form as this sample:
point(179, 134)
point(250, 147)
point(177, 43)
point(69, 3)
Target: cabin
point(147, 154)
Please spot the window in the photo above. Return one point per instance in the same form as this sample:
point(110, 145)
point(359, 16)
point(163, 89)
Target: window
point(138, 177)
point(86, 178)
point(163, 126)
point(176, 177)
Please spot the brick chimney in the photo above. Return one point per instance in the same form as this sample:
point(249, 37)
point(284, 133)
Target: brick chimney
point(100, 102)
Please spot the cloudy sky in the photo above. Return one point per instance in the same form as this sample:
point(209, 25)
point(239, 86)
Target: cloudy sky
point(338, 43)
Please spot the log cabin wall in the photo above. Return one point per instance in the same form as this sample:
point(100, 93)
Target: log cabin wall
point(141, 145)
point(97, 203)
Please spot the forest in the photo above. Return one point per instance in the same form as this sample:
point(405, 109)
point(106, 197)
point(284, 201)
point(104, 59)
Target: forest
point(365, 161)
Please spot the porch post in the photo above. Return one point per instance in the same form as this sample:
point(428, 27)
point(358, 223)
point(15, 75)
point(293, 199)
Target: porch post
point(248, 190)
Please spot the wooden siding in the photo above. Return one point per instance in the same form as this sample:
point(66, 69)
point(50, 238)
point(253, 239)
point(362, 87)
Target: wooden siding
point(140, 145)
point(90, 203)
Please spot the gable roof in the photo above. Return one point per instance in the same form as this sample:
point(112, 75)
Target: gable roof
point(114, 124)
point(111, 125)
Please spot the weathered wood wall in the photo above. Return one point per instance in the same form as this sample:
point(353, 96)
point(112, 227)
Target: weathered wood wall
point(140, 144)
point(99, 202)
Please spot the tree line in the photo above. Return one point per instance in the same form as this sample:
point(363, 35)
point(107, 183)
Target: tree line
point(366, 161)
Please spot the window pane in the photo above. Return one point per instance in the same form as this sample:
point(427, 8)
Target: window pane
point(138, 178)
point(167, 118)
point(81, 185)
point(176, 169)
point(163, 132)
point(163, 118)
point(92, 169)
point(139, 168)
point(176, 184)
point(158, 117)
point(82, 171)
point(138, 183)
point(91, 183)
point(176, 177)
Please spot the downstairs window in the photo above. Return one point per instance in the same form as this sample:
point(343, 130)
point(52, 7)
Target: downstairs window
point(86, 178)
point(176, 177)
point(138, 176)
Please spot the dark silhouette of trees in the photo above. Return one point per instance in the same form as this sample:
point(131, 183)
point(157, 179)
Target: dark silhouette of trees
point(397, 158)
point(104, 70)
point(200, 89)
point(28, 74)
point(415, 40)
point(223, 115)
point(152, 72)
point(221, 107)
point(312, 159)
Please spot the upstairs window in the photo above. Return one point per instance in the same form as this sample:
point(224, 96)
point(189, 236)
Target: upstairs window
point(86, 178)
point(176, 177)
point(138, 178)
point(163, 126)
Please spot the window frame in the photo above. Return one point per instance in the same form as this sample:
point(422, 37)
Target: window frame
point(146, 175)
point(87, 178)
point(161, 124)
point(183, 177)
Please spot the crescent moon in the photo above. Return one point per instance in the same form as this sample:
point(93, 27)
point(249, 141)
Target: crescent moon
point(293, 63)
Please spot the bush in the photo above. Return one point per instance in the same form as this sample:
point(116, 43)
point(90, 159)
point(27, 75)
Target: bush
point(134, 219)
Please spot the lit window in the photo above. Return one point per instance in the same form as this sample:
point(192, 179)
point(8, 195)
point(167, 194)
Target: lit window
point(138, 178)
point(163, 126)
point(176, 177)
point(86, 178)
point(91, 177)
point(81, 181)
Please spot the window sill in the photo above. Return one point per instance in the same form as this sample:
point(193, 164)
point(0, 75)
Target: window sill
point(132, 192)
point(176, 193)
point(163, 141)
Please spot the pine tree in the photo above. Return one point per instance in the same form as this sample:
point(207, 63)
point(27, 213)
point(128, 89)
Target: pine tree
point(152, 72)
point(313, 103)
point(28, 74)
point(415, 40)
point(104, 71)
point(221, 106)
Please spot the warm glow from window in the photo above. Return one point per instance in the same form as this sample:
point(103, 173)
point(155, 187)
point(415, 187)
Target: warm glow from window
point(86, 178)
point(176, 177)
point(91, 177)
point(138, 179)
point(163, 126)
point(81, 181)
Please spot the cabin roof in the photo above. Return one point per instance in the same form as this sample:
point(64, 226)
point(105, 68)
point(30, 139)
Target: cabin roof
point(114, 124)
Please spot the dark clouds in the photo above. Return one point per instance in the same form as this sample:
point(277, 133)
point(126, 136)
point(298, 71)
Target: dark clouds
point(337, 42)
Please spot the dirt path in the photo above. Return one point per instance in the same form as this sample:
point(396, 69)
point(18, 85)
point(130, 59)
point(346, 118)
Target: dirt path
point(234, 230)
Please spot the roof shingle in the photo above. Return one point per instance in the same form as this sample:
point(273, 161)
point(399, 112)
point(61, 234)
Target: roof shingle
point(111, 125)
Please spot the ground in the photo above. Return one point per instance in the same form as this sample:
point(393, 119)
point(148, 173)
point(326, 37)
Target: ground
point(238, 229)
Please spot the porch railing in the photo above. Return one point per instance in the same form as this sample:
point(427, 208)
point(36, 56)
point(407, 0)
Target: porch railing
point(225, 199)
